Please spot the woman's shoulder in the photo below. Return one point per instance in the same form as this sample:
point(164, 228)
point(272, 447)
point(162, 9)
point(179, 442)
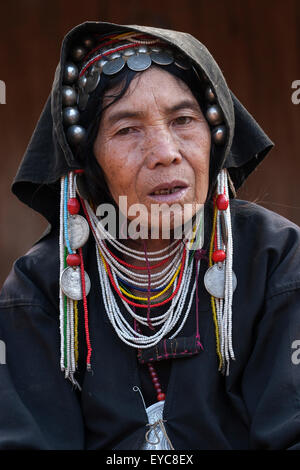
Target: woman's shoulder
point(268, 243)
point(33, 279)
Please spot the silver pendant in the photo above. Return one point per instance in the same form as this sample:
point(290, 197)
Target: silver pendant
point(156, 439)
point(78, 231)
point(70, 283)
point(214, 281)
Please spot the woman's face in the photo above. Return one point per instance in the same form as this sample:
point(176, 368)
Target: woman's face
point(153, 144)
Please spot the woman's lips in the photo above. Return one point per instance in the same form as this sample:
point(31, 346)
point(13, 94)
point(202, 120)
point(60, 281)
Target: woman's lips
point(170, 195)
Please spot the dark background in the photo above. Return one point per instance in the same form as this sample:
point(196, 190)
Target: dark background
point(255, 42)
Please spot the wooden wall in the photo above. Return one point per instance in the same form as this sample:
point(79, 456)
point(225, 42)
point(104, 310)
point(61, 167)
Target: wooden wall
point(256, 43)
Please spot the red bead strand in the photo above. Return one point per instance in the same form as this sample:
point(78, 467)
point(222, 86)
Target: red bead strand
point(160, 395)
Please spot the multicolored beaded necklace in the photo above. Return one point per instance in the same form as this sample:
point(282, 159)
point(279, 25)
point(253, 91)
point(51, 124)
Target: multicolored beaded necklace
point(118, 278)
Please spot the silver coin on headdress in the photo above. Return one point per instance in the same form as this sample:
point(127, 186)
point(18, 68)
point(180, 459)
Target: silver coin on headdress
point(162, 58)
point(113, 66)
point(92, 79)
point(78, 231)
point(139, 62)
point(214, 280)
point(70, 283)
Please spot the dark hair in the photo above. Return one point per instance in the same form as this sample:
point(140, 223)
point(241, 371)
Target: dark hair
point(92, 184)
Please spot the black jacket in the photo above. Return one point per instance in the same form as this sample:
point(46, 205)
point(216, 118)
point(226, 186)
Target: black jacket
point(256, 407)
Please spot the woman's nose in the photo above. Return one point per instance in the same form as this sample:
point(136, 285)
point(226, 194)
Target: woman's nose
point(162, 149)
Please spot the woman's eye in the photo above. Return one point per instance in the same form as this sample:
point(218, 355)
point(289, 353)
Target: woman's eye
point(125, 131)
point(182, 120)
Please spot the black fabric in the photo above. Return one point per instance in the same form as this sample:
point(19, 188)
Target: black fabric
point(49, 156)
point(256, 407)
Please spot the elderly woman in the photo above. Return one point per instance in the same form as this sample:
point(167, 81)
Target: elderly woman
point(167, 338)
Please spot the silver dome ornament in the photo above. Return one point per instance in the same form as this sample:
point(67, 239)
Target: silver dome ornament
point(214, 115)
point(70, 73)
point(139, 62)
point(209, 95)
point(70, 283)
point(162, 58)
point(219, 135)
point(88, 42)
point(92, 79)
point(142, 49)
point(114, 55)
point(76, 134)
point(70, 116)
point(128, 52)
point(113, 66)
point(78, 53)
point(69, 96)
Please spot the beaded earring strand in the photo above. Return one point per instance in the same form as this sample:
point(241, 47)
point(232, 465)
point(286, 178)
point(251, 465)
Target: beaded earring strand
point(74, 281)
point(220, 280)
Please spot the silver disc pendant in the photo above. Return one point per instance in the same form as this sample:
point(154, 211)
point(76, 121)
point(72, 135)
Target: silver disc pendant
point(214, 281)
point(139, 62)
point(113, 66)
point(70, 283)
point(162, 58)
point(78, 231)
point(156, 439)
